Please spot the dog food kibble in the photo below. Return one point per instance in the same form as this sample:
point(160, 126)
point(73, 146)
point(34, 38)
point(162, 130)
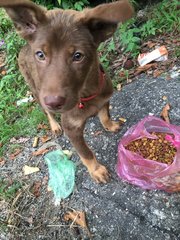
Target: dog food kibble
point(158, 149)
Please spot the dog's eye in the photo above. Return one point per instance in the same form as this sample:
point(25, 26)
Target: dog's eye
point(77, 57)
point(40, 55)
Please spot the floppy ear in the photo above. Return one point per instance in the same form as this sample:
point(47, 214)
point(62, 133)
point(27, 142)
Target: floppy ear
point(102, 20)
point(26, 15)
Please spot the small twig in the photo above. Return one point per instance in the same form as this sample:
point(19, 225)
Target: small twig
point(72, 224)
point(60, 225)
point(12, 226)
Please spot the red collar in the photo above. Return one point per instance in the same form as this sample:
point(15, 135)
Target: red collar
point(101, 84)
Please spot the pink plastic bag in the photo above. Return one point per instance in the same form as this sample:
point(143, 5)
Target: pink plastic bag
point(145, 173)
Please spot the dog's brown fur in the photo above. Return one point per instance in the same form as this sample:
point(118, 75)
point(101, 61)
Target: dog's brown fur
point(57, 80)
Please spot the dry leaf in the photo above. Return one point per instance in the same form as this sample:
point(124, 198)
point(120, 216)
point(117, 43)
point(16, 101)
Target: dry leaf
point(45, 139)
point(119, 87)
point(164, 114)
point(14, 155)
point(122, 120)
point(144, 68)
point(79, 218)
point(42, 126)
point(1, 144)
point(157, 73)
point(36, 188)
point(122, 74)
point(164, 98)
point(3, 72)
point(40, 152)
point(2, 161)
point(68, 153)
point(29, 170)
point(151, 44)
point(35, 142)
point(97, 133)
point(168, 77)
point(128, 64)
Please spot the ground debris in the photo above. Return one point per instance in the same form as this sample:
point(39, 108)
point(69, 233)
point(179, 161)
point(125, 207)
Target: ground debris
point(78, 218)
point(29, 170)
point(165, 113)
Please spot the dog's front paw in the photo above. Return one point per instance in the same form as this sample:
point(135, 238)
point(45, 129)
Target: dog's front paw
point(113, 126)
point(56, 128)
point(100, 174)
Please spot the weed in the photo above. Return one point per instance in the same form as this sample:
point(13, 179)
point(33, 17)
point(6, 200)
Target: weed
point(16, 121)
point(8, 191)
point(65, 4)
point(162, 18)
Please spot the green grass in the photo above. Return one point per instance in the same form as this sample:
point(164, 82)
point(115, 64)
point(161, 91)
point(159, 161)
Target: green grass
point(14, 121)
point(161, 19)
point(8, 191)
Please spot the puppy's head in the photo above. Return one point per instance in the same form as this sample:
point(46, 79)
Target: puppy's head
point(63, 45)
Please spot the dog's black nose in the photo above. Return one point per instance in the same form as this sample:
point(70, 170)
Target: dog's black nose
point(54, 101)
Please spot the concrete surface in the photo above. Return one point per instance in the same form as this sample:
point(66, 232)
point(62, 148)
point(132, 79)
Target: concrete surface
point(118, 210)
point(114, 211)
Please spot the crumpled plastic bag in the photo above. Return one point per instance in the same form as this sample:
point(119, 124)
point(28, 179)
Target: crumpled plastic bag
point(149, 174)
point(61, 174)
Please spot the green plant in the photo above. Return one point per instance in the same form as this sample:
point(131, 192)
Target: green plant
point(77, 5)
point(15, 121)
point(8, 191)
point(129, 37)
point(162, 18)
point(66, 4)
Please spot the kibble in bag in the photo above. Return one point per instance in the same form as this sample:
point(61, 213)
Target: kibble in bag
point(149, 155)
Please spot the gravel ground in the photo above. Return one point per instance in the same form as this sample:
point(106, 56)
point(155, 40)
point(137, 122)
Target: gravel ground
point(114, 211)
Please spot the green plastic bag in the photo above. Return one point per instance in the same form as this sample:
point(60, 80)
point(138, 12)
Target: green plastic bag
point(61, 174)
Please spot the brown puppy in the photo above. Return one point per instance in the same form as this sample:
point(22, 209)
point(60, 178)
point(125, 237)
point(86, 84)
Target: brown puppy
point(61, 66)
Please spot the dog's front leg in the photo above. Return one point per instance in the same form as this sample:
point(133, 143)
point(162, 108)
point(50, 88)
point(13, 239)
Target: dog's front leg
point(104, 117)
point(74, 131)
point(55, 127)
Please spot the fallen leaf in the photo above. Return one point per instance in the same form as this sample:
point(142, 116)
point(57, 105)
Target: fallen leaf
point(68, 153)
point(79, 218)
point(122, 74)
point(35, 142)
point(122, 119)
point(2, 161)
point(36, 188)
point(164, 98)
point(42, 126)
point(40, 152)
point(168, 77)
point(45, 139)
point(144, 68)
point(1, 144)
point(128, 64)
point(119, 87)
point(97, 133)
point(157, 73)
point(149, 44)
point(3, 72)
point(165, 113)
point(29, 170)
point(14, 155)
